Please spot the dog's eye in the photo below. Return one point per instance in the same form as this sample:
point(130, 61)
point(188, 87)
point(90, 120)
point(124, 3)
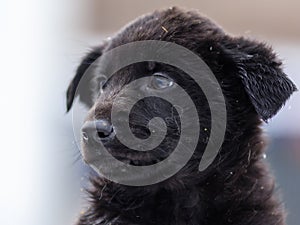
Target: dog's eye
point(101, 84)
point(160, 81)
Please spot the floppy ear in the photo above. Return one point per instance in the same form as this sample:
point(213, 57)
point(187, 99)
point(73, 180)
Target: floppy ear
point(79, 86)
point(267, 86)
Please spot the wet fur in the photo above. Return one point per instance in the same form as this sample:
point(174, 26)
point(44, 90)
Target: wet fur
point(237, 188)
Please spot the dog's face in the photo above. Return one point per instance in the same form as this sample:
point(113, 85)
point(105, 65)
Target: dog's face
point(159, 78)
point(248, 72)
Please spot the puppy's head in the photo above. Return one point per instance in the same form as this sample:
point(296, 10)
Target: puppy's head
point(249, 73)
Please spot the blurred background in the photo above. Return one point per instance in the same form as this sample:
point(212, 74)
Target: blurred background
point(42, 43)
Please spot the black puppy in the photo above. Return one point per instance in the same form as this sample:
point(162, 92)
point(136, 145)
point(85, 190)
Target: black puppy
point(237, 187)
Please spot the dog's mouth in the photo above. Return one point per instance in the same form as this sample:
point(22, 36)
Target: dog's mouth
point(108, 141)
point(136, 161)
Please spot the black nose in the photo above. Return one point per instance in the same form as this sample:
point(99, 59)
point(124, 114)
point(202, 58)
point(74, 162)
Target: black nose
point(97, 130)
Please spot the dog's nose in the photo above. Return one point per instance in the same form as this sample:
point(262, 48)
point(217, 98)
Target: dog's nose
point(97, 130)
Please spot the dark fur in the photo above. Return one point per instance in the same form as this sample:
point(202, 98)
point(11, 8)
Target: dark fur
point(237, 188)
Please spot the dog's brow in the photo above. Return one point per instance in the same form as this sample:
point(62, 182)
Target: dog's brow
point(151, 65)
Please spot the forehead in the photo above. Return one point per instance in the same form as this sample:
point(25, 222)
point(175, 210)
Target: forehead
point(187, 29)
point(172, 25)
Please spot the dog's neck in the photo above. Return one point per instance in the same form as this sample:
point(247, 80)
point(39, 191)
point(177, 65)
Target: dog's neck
point(146, 206)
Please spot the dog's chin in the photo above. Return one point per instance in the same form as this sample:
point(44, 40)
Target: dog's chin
point(120, 155)
point(176, 182)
